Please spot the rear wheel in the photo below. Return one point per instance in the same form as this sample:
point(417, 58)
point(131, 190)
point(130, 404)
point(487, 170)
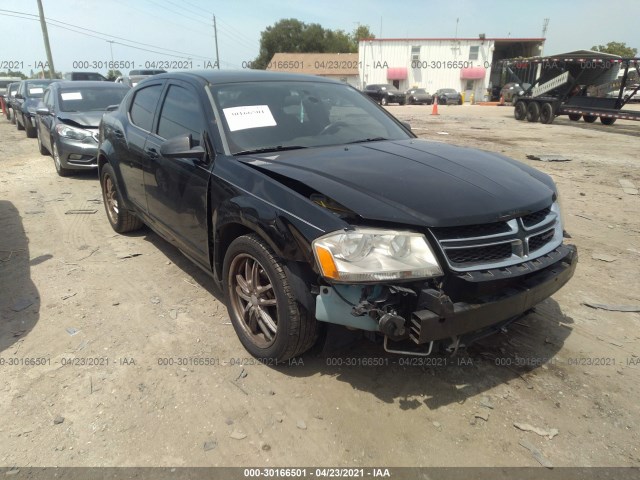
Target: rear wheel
point(533, 112)
point(607, 121)
point(520, 110)
point(574, 117)
point(589, 118)
point(121, 220)
point(546, 113)
point(263, 309)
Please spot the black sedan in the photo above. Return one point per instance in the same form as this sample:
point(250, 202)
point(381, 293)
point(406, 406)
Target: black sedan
point(9, 98)
point(448, 96)
point(67, 122)
point(385, 94)
point(26, 101)
point(417, 96)
point(310, 212)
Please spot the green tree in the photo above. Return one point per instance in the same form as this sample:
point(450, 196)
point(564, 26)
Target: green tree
point(113, 74)
point(293, 36)
point(616, 48)
point(358, 34)
point(11, 73)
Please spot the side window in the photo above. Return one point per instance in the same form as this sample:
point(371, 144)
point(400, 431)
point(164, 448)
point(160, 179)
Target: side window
point(48, 99)
point(144, 106)
point(180, 114)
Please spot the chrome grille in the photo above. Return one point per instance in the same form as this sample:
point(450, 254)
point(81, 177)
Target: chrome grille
point(500, 244)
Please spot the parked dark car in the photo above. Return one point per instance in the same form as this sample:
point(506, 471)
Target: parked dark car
point(68, 119)
point(418, 96)
point(512, 90)
point(85, 76)
point(308, 213)
point(448, 96)
point(131, 80)
point(9, 98)
point(28, 96)
point(385, 94)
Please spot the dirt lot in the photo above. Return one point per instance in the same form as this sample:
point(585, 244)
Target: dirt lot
point(126, 306)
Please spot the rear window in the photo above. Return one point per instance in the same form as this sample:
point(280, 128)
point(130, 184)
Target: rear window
point(89, 99)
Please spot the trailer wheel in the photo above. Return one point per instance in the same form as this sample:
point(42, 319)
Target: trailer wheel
point(574, 117)
point(533, 112)
point(546, 113)
point(607, 121)
point(589, 118)
point(520, 110)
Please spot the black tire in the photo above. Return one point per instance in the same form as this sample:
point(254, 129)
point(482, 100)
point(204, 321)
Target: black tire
point(574, 117)
point(442, 101)
point(41, 148)
point(63, 172)
point(607, 121)
point(30, 131)
point(121, 220)
point(546, 113)
point(19, 125)
point(279, 328)
point(383, 101)
point(520, 110)
point(409, 101)
point(533, 112)
point(13, 117)
point(460, 101)
point(402, 102)
point(589, 118)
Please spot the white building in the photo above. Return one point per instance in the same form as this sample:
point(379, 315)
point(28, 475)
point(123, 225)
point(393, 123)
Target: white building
point(464, 64)
point(338, 66)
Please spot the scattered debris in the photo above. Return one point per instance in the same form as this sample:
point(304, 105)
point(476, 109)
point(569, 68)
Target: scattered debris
point(525, 427)
point(442, 133)
point(238, 435)
point(239, 387)
point(486, 403)
point(69, 296)
point(155, 300)
point(301, 425)
point(173, 314)
point(128, 255)
point(72, 331)
point(279, 417)
point(537, 454)
point(581, 216)
point(482, 415)
point(13, 471)
point(604, 257)
point(628, 187)
point(22, 304)
point(552, 157)
point(80, 212)
point(228, 421)
point(58, 420)
point(613, 308)
point(243, 374)
point(271, 392)
point(209, 445)
point(265, 447)
point(438, 425)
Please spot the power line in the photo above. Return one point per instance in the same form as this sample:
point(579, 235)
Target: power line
point(177, 12)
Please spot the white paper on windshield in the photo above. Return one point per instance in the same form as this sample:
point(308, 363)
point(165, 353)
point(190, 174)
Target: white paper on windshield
point(252, 116)
point(36, 90)
point(71, 95)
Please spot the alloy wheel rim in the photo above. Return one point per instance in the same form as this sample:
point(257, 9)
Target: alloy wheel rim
point(111, 199)
point(253, 300)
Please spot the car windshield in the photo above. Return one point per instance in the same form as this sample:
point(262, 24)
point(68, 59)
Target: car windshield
point(89, 99)
point(271, 116)
point(420, 90)
point(448, 90)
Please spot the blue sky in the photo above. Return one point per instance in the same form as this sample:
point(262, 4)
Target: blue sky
point(178, 29)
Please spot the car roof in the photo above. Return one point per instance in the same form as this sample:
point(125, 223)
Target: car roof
point(85, 84)
point(217, 77)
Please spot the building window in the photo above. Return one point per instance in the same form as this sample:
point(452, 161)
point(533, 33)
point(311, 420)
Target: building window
point(473, 53)
point(415, 53)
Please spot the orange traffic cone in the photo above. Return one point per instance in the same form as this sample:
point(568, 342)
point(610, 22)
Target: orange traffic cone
point(434, 110)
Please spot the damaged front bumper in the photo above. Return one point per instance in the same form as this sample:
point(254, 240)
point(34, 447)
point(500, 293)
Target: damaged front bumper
point(426, 314)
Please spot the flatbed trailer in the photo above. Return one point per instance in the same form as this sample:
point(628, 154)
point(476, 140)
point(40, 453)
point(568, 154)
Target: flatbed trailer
point(564, 86)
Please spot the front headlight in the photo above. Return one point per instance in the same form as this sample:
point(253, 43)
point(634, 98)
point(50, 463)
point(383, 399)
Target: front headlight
point(374, 255)
point(72, 132)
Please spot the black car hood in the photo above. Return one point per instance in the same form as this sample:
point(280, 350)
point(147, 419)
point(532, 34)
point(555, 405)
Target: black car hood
point(83, 119)
point(415, 182)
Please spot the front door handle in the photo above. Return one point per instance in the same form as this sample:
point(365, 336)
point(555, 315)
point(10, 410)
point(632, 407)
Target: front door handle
point(152, 153)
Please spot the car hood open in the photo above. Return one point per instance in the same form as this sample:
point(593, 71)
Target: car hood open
point(415, 182)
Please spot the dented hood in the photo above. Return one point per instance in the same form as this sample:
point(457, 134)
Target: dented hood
point(82, 119)
point(415, 181)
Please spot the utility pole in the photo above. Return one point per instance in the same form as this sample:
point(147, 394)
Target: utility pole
point(45, 34)
point(215, 35)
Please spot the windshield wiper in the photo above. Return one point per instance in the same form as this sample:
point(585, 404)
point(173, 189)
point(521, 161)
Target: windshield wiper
point(373, 139)
point(279, 148)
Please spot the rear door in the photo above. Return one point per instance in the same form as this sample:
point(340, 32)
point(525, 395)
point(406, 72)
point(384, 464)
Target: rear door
point(176, 188)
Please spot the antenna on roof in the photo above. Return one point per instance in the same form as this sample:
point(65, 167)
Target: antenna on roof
point(545, 24)
point(456, 35)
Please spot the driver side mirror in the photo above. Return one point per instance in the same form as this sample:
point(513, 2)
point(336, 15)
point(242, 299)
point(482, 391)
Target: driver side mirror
point(18, 96)
point(43, 111)
point(182, 147)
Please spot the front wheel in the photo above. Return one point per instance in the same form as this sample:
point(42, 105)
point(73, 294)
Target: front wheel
point(263, 309)
point(57, 161)
point(383, 101)
point(41, 148)
point(120, 218)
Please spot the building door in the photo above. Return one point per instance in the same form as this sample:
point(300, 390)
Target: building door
point(469, 89)
point(396, 83)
